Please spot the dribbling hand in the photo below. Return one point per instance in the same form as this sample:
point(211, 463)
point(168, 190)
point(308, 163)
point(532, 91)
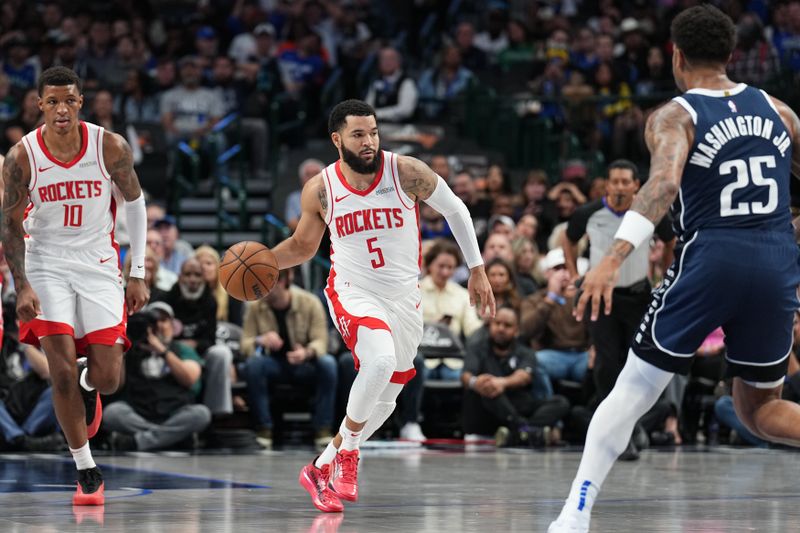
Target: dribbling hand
point(28, 306)
point(480, 293)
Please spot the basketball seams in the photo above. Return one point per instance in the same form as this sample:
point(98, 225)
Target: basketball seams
point(247, 294)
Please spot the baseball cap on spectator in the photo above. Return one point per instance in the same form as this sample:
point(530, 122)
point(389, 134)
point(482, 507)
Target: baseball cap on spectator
point(265, 28)
point(554, 258)
point(162, 307)
point(574, 170)
point(206, 32)
point(167, 220)
point(629, 25)
point(501, 219)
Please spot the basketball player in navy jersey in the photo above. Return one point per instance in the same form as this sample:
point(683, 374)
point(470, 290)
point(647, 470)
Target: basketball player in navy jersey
point(721, 155)
point(63, 184)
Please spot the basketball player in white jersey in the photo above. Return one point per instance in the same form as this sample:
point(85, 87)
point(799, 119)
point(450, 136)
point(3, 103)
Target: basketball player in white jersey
point(368, 200)
point(59, 210)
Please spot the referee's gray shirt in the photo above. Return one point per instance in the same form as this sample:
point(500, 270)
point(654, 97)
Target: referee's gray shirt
point(601, 222)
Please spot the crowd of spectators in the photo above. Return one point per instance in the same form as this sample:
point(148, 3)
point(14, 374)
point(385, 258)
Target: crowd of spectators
point(528, 375)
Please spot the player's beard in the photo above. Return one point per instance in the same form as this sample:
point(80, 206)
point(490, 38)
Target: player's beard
point(355, 162)
point(190, 294)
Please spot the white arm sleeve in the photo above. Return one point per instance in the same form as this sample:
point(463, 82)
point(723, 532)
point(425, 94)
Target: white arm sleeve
point(136, 216)
point(459, 220)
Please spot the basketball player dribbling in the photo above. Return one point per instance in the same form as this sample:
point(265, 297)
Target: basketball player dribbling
point(721, 155)
point(62, 184)
point(369, 200)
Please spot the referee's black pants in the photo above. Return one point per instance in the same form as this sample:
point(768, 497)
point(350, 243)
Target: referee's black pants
point(612, 334)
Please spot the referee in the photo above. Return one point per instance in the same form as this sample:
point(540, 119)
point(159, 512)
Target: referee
point(612, 334)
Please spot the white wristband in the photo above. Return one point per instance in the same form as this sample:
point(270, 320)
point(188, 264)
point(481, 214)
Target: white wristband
point(137, 267)
point(635, 228)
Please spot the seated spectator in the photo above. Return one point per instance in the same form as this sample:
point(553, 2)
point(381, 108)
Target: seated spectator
point(27, 417)
point(754, 60)
point(537, 203)
point(28, 119)
point(134, 103)
point(228, 309)
point(176, 250)
point(480, 208)
point(286, 340)
point(526, 256)
point(432, 224)
point(393, 94)
point(473, 57)
point(503, 281)
point(189, 111)
point(497, 245)
point(547, 324)
point(307, 170)
point(439, 86)
point(163, 279)
point(447, 302)
point(196, 309)
point(158, 408)
point(497, 380)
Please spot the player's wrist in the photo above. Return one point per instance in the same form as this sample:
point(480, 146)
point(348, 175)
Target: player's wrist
point(137, 267)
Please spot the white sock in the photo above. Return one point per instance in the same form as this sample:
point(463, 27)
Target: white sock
point(83, 457)
point(327, 456)
point(350, 439)
point(84, 381)
point(638, 387)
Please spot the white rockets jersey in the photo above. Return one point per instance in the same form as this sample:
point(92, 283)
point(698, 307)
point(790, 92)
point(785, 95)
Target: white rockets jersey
point(72, 205)
point(375, 239)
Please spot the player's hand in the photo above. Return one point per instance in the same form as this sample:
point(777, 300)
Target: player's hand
point(598, 284)
point(28, 306)
point(136, 295)
point(480, 292)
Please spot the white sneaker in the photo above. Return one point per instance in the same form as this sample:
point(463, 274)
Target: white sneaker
point(570, 523)
point(412, 431)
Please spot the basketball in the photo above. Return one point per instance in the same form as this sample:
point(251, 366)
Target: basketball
point(248, 271)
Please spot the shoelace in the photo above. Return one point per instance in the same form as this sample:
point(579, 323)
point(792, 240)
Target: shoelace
point(321, 481)
point(349, 468)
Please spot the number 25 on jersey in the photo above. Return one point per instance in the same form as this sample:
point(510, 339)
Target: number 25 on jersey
point(747, 172)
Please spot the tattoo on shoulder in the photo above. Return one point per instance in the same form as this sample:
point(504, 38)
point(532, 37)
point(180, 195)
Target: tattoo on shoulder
point(416, 178)
point(323, 200)
point(121, 170)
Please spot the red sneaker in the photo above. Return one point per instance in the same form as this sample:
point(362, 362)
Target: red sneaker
point(315, 481)
point(344, 481)
point(91, 488)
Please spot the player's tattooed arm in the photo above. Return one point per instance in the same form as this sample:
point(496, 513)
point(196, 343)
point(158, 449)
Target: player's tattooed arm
point(417, 179)
point(118, 158)
point(669, 133)
point(16, 177)
point(304, 242)
point(323, 199)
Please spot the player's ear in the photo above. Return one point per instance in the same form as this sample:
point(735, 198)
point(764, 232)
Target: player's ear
point(336, 139)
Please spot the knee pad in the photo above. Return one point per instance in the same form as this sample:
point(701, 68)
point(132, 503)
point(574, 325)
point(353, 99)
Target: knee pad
point(379, 415)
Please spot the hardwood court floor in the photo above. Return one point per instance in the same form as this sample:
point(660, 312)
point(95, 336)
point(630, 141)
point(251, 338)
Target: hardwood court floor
point(408, 490)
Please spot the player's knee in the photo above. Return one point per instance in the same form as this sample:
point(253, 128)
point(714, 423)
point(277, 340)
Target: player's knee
point(105, 379)
point(64, 380)
point(381, 366)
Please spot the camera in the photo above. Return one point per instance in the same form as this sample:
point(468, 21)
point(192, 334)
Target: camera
point(139, 324)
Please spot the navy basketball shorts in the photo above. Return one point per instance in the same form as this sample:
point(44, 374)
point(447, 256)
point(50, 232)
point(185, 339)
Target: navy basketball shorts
point(744, 281)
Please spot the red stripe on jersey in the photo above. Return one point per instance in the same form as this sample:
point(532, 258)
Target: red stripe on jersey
point(114, 243)
point(397, 184)
point(31, 332)
point(401, 378)
point(51, 157)
point(419, 238)
point(34, 170)
point(330, 196)
point(375, 182)
point(99, 156)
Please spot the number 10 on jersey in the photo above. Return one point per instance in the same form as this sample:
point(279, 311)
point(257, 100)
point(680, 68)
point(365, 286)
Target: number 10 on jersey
point(375, 250)
point(73, 215)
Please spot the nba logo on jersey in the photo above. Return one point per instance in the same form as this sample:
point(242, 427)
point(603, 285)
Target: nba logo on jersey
point(732, 106)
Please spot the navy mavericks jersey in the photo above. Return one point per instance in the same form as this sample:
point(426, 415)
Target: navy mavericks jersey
point(738, 169)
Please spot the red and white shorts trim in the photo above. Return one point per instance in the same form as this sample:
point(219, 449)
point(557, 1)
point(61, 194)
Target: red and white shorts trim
point(351, 307)
point(81, 295)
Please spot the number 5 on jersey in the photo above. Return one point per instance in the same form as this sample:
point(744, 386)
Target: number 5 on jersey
point(73, 215)
point(375, 250)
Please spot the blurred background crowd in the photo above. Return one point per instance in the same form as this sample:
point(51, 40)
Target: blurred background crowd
point(532, 110)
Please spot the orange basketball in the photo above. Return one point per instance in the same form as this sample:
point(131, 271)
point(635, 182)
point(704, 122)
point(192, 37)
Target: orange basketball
point(248, 270)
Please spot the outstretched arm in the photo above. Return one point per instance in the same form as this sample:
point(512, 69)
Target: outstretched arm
point(419, 182)
point(793, 125)
point(304, 242)
point(669, 134)
point(16, 177)
point(118, 158)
